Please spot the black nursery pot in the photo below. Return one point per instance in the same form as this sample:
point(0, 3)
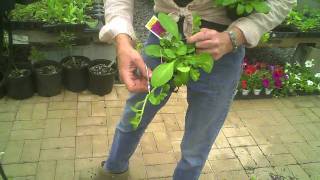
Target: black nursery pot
point(2, 85)
point(21, 87)
point(101, 83)
point(48, 84)
point(75, 79)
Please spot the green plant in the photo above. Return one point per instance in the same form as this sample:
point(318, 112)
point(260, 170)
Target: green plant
point(265, 37)
point(54, 11)
point(304, 20)
point(245, 7)
point(180, 64)
point(256, 81)
point(36, 55)
point(300, 78)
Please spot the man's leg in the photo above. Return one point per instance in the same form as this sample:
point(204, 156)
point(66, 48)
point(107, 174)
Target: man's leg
point(209, 100)
point(125, 138)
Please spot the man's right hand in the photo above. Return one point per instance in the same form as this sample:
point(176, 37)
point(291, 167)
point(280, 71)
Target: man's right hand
point(129, 60)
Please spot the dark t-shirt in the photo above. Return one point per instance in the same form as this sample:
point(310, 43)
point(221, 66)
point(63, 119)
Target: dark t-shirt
point(182, 3)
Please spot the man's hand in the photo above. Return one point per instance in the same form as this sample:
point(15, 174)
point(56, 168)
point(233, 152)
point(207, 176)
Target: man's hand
point(214, 42)
point(129, 60)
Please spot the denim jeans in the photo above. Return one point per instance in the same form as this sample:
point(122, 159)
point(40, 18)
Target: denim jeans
point(208, 100)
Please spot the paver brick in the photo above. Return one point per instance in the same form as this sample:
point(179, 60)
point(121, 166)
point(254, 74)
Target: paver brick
point(241, 141)
point(98, 108)
point(52, 128)
point(68, 127)
point(84, 146)
point(161, 170)
point(148, 143)
point(58, 143)
point(46, 170)
point(26, 134)
point(99, 145)
point(91, 130)
point(292, 172)
point(57, 154)
point(88, 121)
point(13, 151)
point(281, 159)
point(31, 151)
point(25, 169)
point(7, 116)
point(225, 165)
point(219, 154)
point(40, 111)
point(64, 170)
point(159, 158)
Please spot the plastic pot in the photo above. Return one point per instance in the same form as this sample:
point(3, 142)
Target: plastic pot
point(2, 85)
point(101, 83)
point(48, 84)
point(21, 87)
point(75, 78)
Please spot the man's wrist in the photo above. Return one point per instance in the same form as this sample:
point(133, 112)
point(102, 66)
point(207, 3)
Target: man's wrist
point(123, 40)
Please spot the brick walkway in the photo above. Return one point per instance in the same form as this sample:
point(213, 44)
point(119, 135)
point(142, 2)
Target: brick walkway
point(58, 137)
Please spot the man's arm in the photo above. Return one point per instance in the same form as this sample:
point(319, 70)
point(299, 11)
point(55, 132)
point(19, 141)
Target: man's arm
point(118, 18)
point(119, 28)
point(248, 30)
point(256, 24)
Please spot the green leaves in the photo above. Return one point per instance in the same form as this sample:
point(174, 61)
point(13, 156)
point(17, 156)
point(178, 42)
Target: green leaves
point(153, 50)
point(205, 62)
point(162, 74)
point(169, 24)
point(240, 9)
point(196, 23)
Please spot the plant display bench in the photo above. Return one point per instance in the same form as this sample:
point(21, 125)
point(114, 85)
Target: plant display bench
point(86, 44)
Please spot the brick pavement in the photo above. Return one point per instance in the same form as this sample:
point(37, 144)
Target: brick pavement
point(59, 137)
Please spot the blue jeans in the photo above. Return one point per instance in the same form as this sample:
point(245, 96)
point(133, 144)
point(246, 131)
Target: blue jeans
point(208, 103)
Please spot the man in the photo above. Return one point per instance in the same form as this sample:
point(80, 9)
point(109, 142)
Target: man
point(208, 99)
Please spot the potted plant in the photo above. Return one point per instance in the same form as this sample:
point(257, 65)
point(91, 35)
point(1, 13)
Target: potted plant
point(101, 76)
point(256, 82)
point(47, 74)
point(20, 84)
point(74, 68)
point(245, 90)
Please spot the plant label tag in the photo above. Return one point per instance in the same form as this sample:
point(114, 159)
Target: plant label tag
point(155, 27)
point(20, 39)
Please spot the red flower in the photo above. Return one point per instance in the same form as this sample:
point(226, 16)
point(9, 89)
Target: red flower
point(244, 84)
point(250, 69)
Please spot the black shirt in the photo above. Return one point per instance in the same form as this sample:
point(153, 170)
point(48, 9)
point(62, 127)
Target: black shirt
point(205, 24)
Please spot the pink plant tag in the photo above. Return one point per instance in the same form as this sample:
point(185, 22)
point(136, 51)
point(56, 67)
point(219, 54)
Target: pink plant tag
point(155, 27)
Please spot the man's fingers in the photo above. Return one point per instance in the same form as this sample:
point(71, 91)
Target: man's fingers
point(206, 44)
point(204, 34)
point(142, 68)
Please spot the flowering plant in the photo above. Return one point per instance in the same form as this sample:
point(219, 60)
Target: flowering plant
point(301, 78)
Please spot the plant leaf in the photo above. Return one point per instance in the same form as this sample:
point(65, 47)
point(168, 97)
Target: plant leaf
point(249, 8)
point(240, 9)
point(184, 69)
point(181, 78)
point(182, 50)
point(169, 24)
point(205, 62)
point(162, 74)
point(153, 50)
point(169, 53)
point(194, 74)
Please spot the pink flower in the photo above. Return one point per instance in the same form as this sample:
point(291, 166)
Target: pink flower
point(278, 83)
point(266, 83)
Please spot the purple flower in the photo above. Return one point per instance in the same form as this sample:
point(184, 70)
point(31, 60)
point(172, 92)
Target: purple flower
point(266, 83)
point(271, 68)
point(286, 76)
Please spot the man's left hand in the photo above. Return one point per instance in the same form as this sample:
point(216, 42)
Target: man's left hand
point(211, 41)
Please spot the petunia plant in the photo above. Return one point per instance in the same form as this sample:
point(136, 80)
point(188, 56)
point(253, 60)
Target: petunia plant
point(179, 64)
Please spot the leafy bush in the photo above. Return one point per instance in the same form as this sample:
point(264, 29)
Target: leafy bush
point(54, 11)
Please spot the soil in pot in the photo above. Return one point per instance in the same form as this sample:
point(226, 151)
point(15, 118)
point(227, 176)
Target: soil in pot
point(20, 85)
point(2, 85)
point(48, 78)
point(101, 76)
point(75, 73)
